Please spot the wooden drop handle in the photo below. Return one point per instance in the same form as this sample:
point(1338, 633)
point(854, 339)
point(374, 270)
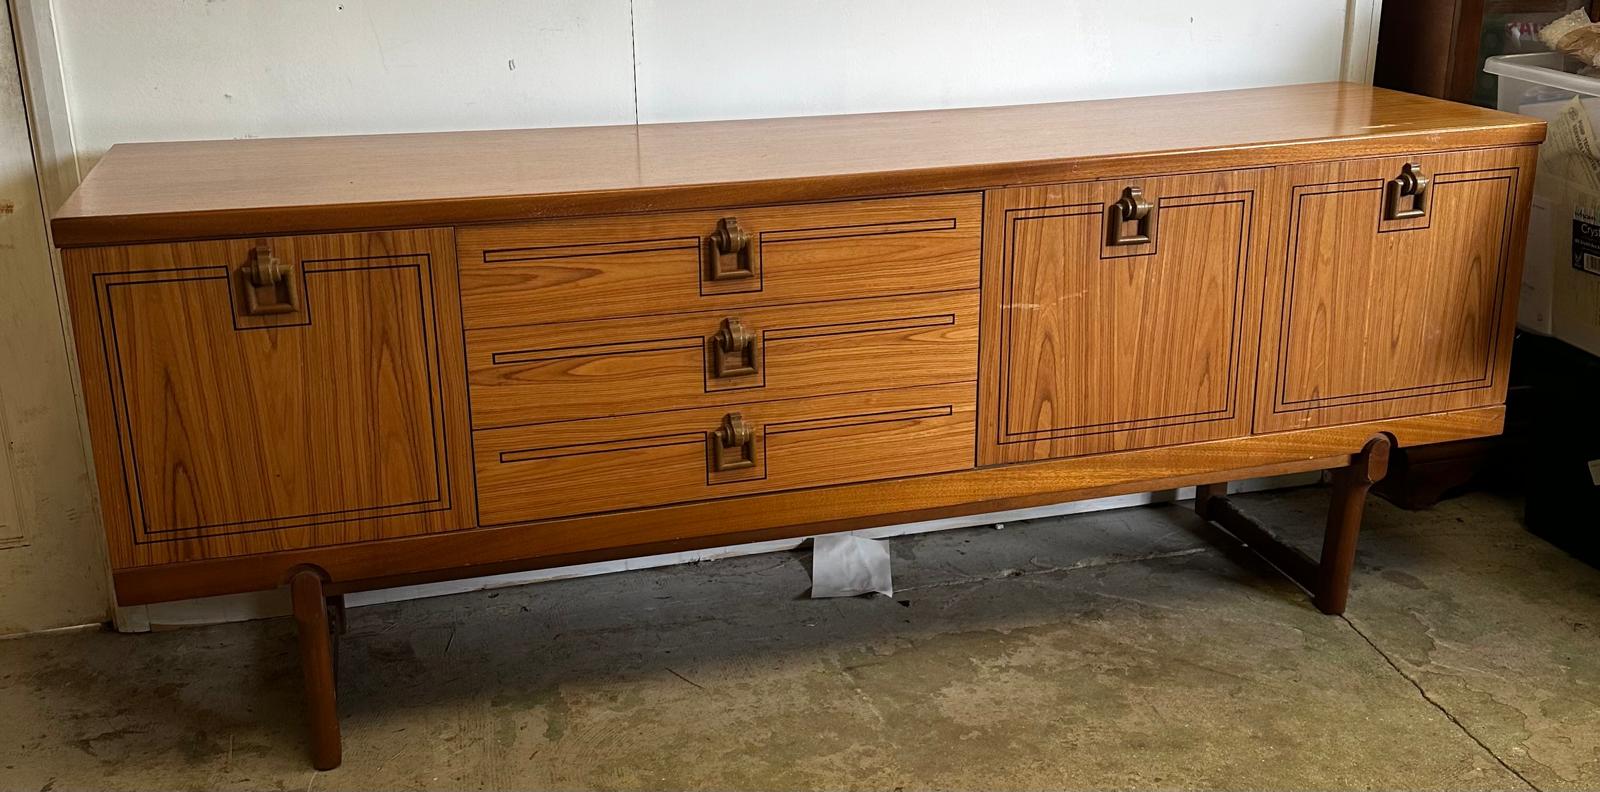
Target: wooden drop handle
point(731, 249)
point(733, 350)
point(1412, 184)
point(269, 285)
point(1130, 208)
point(732, 445)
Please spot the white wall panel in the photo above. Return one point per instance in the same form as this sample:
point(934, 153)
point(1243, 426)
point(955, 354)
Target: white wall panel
point(701, 59)
point(192, 69)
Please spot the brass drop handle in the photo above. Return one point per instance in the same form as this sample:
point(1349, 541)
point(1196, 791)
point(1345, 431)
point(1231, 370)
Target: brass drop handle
point(1130, 208)
point(1412, 184)
point(729, 237)
point(731, 445)
point(731, 252)
point(269, 284)
point(733, 350)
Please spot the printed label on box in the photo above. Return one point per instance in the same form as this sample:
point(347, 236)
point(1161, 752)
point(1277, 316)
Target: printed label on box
point(1586, 240)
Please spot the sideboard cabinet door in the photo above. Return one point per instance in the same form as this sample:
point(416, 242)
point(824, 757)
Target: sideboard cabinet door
point(257, 395)
point(1392, 287)
point(1118, 314)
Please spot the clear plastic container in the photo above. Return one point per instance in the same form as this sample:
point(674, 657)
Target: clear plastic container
point(1537, 78)
point(1558, 297)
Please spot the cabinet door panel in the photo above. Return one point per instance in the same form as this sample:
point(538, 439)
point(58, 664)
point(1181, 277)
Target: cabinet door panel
point(227, 430)
point(227, 427)
point(1099, 346)
point(1370, 317)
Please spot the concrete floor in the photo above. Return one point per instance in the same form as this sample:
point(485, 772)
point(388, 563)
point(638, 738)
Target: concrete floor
point(1113, 650)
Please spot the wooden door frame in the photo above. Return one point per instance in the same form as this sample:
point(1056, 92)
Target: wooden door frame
point(1360, 53)
point(58, 170)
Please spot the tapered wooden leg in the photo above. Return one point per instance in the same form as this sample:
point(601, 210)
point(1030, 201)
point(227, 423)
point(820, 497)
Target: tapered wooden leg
point(336, 615)
point(1350, 485)
point(336, 628)
point(1327, 578)
point(316, 661)
point(1205, 495)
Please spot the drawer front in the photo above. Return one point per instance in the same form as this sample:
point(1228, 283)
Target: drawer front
point(230, 418)
point(556, 372)
point(595, 268)
point(1104, 334)
point(1375, 312)
point(628, 462)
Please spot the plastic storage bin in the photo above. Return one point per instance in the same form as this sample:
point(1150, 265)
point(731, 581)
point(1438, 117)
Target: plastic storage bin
point(1561, 272)
point(1538, 77)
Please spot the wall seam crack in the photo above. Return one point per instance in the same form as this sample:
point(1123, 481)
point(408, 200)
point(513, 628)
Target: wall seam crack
point(633, 54)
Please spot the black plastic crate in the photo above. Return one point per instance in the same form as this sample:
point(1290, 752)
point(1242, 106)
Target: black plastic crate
point(1559, 410)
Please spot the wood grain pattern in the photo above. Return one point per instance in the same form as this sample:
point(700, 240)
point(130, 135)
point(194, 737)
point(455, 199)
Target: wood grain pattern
point(540, 373)
point(626, 266)
point(319, 668)
point(195, 190)
point(902, 317)
point(341, 437)
point(799, 513)
point(1093, 348)
point(218, 434)
point(634, 461)
point(1368, 319)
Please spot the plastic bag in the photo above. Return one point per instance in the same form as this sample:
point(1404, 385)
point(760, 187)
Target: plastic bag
point(1574, 35)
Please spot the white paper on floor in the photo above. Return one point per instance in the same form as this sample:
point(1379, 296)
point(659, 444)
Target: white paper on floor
point(848, 566)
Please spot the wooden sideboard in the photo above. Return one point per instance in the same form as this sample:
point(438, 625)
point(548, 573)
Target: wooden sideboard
point(354, 362)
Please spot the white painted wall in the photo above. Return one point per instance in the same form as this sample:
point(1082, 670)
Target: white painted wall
point(702, 59)
point(109, 71)
point(187, 69)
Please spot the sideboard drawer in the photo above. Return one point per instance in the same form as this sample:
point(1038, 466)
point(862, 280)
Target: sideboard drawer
point(627, 462)
point(1381, 306)
point(591, 268)
point(540, 373)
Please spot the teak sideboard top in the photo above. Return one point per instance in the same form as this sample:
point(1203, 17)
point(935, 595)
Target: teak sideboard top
point(150, 192)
